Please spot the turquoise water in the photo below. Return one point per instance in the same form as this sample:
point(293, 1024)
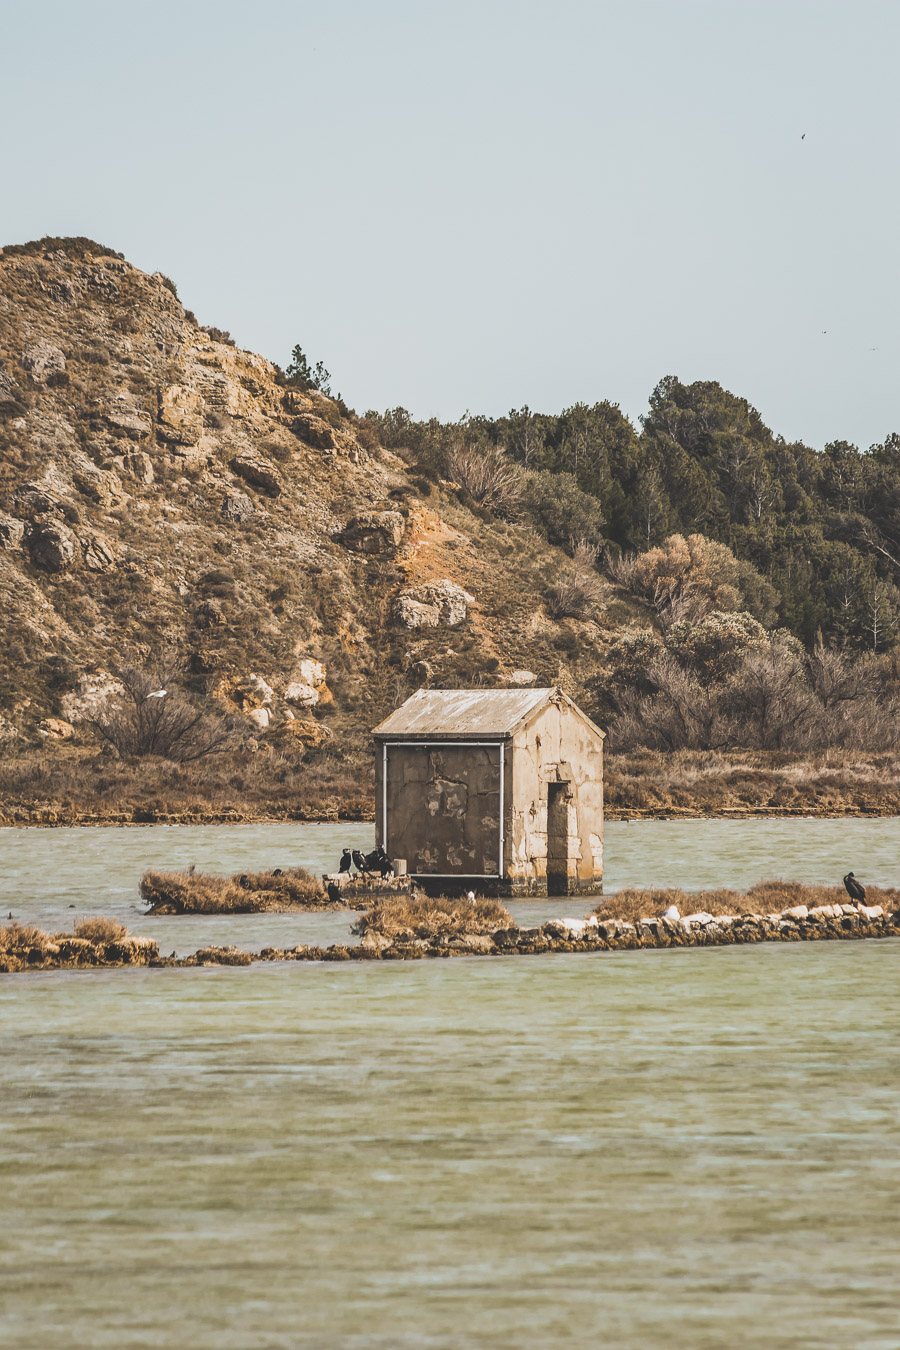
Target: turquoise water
point(689, 1149)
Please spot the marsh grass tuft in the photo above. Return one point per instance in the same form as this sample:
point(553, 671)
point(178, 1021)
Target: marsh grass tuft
point(427, 917)
point(202, 893)
point(767, 897)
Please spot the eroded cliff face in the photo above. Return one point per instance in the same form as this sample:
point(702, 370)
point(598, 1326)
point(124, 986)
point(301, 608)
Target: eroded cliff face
point(162, 490)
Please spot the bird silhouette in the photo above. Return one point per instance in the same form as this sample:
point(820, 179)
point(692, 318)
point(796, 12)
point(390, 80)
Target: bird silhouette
point(853, 888)
point(346, 861)
point(803, 137)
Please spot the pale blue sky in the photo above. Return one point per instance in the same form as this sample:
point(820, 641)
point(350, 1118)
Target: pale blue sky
point(479, 205)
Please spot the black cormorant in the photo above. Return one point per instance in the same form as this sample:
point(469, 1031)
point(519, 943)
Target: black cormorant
point(853, 888)
point(346, 861)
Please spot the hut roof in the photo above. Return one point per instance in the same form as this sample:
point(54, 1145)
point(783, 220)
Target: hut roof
point(465, 714)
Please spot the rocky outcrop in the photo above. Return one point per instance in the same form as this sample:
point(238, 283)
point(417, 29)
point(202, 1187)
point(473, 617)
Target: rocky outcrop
point(374, 532)
point(12, 531)
point(52, 546)
point(433, 604)
point(42, 360)
point(258, 474)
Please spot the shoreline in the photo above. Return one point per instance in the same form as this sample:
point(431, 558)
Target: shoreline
point(37, 820)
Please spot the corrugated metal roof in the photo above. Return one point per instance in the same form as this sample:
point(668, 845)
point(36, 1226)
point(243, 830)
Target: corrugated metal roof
point(462, 713)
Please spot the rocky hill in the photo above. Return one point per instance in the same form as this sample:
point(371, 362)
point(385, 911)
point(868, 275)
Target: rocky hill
point(164, 492)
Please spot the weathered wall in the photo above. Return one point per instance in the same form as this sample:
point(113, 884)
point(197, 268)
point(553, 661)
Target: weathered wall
point(443, 807)
point(557, 746)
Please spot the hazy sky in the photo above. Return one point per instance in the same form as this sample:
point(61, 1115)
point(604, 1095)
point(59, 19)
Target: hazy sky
point(474, 206)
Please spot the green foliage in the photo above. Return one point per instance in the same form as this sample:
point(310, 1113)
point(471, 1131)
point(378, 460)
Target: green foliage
point(304, 376)
point(814, 536)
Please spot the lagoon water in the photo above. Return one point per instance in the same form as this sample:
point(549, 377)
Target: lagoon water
point(689, 1149)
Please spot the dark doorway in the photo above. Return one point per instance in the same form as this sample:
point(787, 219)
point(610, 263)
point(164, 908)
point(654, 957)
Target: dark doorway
point(558, 797)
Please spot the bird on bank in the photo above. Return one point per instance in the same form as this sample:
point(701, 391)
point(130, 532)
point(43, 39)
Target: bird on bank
point(334, 892)
point(360, 862)
point(380, 860)
point(346, 861)
point(853, 888)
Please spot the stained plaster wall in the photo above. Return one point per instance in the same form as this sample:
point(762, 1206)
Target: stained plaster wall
point(557, 745)
point(443, 808)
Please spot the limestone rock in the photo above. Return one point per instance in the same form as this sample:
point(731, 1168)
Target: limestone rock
point(257, 473)
point(301, 694)
point(307, 731)
point(90, 696)
point(101, 486)
point(99, 555)
point(314, 431)
point(260, 718)
point(33, 499)
point(521, 677)
point(179, 420)
point(434, 604)
point(253, 692)
point(9, 394)
point(55, 729)
point(237, 506)
point(128, 421)
point(52, 546)
point(210, 615)
point(43, 360)
point(12, 531)
point(139, 466)
point(8, 732)
point(374, 531)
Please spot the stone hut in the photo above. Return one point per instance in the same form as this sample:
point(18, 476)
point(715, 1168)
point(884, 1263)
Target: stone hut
point(500, 790)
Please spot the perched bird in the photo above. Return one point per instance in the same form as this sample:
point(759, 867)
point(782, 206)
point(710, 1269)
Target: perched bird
point(360, 862)
point(380, 860)
point(277, 872)
point(334, 892)
point(470, 896)
point(346, 861)
point(672, 913)
point(853, 888)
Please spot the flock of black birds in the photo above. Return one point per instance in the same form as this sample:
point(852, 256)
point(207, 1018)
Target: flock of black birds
point(367, 863)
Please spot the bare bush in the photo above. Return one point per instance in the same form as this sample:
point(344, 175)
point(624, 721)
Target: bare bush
point(578, 588)
point(686, 578)
point(488, 475)
point(153, 717)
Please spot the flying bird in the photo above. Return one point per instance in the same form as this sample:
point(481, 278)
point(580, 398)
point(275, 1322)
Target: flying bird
point(803, 137)
point(853, 888)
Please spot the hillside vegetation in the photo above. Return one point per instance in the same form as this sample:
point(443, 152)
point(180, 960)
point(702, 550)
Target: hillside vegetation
point(215, 577)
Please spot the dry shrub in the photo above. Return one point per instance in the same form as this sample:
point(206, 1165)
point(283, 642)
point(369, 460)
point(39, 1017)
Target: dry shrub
point(766, 897)
point(16, 936)
point(101, 930)
point(578, 588)
point(488, 475)
point(200, 893)
point(427, 917)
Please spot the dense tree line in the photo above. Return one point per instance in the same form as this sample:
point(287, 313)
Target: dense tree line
point(821, 528)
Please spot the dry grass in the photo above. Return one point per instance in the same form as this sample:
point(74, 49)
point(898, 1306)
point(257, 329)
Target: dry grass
point(200, 893)
point(426, 917)
point(649, 783)
point(16, 936)
point(101, 930)
point(767, 897)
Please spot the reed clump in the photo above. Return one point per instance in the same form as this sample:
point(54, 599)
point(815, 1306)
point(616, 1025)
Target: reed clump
point(100, 929)
point(243, 893)
point(430, 917)
point(767, 897)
